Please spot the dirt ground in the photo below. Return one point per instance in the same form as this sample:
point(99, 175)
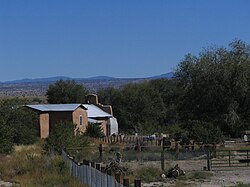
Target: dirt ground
point(230, 177)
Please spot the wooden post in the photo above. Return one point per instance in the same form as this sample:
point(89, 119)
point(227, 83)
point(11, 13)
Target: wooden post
point(98, 167)
point(247, 159)
point(177, 149)
point(208, 161)
point(118, 178)
point(126, 182)
point(93, 164)
point(100, 152)
point(86, 163)
point(162, 160)
point(137, 183)
point(229, 157)
point(102, 169)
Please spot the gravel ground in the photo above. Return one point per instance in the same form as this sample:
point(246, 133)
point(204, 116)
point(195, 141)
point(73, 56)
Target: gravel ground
point(230, 177)
point(5, 184)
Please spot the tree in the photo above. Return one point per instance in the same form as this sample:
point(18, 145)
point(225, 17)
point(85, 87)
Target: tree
point(69, 91)
point(94, 131)
point(216, 87)
point(21, 122)
point(64, 136)
point(204, 132)
point(138, 107)
point(6, 136)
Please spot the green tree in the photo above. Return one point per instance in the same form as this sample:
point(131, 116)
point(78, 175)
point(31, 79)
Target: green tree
point(66, 92)
point(64, 136)
point(216, 87)
point(94, 131)
point(21, 121)
point(138, 107)
point(6, 136)
point(204, 132)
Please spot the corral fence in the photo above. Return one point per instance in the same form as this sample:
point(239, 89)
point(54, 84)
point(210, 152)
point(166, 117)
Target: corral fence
point(219, 156)
point(228, 159)
point(93, 174)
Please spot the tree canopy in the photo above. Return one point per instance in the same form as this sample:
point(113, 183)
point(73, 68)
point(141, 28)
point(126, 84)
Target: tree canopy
point(18, 125)
point(210, 93)
point(69, 91)
point(216, 87)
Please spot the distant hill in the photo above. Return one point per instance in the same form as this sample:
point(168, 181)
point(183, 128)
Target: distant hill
point(49, 79)
point(53, 79)
point(163, 76)
point(38, 87)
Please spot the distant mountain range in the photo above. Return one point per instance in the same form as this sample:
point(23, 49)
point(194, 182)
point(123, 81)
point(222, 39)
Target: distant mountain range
point(38, 87)
point(97, 78)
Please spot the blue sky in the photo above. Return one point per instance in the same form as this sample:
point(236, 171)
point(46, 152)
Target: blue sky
point(120, 38)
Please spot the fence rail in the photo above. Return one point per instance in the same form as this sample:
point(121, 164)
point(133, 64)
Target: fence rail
point(226, 159)
point(93, 175)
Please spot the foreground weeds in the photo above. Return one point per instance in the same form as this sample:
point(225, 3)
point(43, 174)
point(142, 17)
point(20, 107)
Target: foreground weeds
point(196, 176)
point(29, 166)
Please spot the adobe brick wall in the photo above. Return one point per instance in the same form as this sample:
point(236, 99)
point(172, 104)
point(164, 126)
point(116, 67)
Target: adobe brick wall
point(104, 127)
point(56, 117)
point(44, 125)
point(93, 99)
point(76, 118)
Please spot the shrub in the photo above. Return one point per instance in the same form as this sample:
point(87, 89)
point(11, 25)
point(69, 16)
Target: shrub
point(6, 136)
point(29, 167)
point(63, 136)
point(94, 131)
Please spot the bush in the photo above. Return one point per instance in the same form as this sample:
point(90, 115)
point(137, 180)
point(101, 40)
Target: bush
point(6, 136)
point(94, 131)
point(18, 125)
point(63, 136)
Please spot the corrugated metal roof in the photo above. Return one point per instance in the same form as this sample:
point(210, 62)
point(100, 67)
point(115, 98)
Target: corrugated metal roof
point(94, 111)
point(55, 107)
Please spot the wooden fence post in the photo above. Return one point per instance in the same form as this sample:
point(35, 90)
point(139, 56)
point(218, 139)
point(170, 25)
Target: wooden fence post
point(177, 151)
point(247, 159)
point(126, 182)
point(118, 178)
point(92, 164)
point(137, 183)
point(98, 167)
point(229, 157)
point(162, 160)
point(208, 161)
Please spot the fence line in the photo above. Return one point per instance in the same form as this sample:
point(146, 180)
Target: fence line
point(93, 175)
point(226, 159)
point(162, 141)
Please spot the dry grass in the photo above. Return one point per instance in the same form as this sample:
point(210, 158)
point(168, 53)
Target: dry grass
point(28, 166)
